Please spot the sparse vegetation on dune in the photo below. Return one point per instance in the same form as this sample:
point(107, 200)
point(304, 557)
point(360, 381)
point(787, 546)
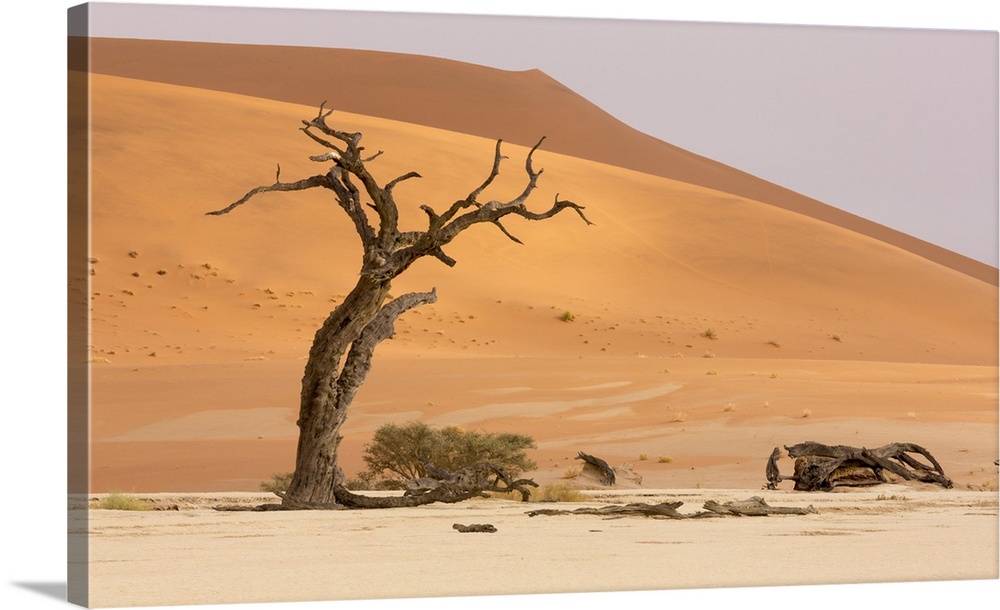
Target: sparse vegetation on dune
point(571, 473)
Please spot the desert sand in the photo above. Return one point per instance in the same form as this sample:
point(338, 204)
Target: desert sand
point(708, 327)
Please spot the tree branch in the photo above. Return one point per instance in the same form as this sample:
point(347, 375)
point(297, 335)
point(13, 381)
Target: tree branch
point(405, 176)
point(470, 200)
point(300, 185)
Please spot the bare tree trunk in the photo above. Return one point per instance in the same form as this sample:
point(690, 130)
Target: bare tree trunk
point(357, 326)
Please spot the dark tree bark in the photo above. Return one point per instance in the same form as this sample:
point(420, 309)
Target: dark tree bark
point(607, 472)
point(342, 348)
point(821, 467)
point(771, 471)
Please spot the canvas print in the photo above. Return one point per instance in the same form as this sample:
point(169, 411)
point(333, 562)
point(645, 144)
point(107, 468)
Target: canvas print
point(394, 306)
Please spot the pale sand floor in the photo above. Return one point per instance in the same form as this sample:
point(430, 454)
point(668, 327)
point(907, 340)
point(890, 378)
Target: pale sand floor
point(198, 556)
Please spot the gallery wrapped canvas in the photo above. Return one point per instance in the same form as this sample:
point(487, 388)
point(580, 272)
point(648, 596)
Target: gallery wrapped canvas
point(391, 305)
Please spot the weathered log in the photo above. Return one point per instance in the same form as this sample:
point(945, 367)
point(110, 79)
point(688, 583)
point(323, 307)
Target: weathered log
point(444, 486)
point(488, 528)
point(824, 467)
point(596, 462)
point(754, 507)
point(751, 507)
point(663, 510)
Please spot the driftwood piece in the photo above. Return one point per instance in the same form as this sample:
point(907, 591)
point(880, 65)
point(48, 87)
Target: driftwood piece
point(754, 507)
point(820, 467)
point(596, 462)
point(751, 507)
point(488, 528)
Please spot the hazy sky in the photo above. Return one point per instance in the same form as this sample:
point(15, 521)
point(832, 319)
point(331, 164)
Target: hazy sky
point(896, 125)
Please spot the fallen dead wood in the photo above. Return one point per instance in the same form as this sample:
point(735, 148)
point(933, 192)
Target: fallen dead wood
point(443, 486)
point(607, 472)
point(754, 507)
point(751, 507)
point(820, 467)
point(487, 528)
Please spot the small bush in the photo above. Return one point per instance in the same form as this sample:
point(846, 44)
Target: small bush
point(883, 497)
point(729, 408)
point(806, 413)
point(567, 316)
point(572, 473)
point(400, 452)
point(278, 484)
point(709, 333)
point(120, 501)
point(560, 492)
point(990, 485)
point(665, 459)
point(643, 457)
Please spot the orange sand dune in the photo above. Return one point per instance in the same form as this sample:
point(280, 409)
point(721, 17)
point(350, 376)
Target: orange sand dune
point(517, 106)
point(708, 327)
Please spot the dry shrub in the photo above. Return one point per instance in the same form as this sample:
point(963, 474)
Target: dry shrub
point(665, 459)
point(560, 492)
point(120, 501)
point(990, 485)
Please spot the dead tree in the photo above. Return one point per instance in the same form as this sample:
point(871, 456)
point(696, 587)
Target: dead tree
point(821, 467)
point(341, 353)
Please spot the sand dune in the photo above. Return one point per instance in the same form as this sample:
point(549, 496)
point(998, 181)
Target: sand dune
point(708, 327)
point(517, 106)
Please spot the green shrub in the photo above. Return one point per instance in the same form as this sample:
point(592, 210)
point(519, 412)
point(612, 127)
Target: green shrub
point(400, 452)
